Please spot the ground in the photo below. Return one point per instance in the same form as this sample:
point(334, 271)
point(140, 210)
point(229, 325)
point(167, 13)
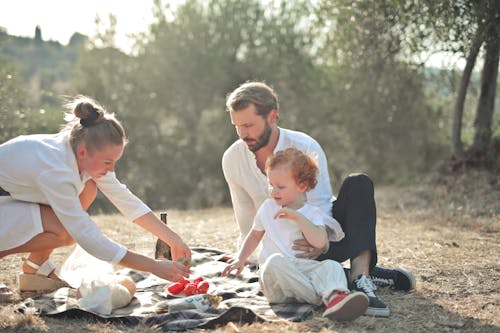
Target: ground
point(445, 230)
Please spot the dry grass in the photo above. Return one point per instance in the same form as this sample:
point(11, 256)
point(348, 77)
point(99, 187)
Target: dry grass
point(453, 252)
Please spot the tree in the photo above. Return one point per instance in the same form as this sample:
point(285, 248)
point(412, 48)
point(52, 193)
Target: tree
point(479, 25)
point(12, 108)
point(456, 132)
point(170, 95)
point(38, 34)
point(414, 27)
point(486, 104)
point(379, 91)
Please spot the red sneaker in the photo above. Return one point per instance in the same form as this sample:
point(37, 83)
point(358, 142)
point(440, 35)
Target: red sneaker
point(346, 306)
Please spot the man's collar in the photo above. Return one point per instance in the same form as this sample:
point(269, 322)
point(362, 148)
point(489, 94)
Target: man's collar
point(279, 142)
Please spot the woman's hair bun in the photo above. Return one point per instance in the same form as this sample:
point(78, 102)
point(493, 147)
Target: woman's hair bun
point(87, 113)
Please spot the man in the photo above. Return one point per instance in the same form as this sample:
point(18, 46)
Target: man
point(253, 108)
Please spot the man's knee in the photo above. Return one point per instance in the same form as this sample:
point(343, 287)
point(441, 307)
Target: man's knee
point(359, 181)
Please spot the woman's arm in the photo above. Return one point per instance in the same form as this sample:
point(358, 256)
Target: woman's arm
point(136, 210)
point(150, 222)
point(164, 269)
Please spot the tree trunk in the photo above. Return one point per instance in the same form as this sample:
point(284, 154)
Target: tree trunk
point(456, 132)
point(486, 103)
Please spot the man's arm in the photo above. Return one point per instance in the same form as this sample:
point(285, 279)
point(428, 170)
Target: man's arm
point(243, 205)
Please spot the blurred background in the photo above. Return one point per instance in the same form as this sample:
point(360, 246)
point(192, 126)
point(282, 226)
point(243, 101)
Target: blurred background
point(359, 76)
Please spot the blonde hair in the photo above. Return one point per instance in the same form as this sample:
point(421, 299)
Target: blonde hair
point(259, 94)
point(90, 124)
point(304, 168)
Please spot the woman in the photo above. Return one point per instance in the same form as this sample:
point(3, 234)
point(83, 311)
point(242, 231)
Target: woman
point(47, 183)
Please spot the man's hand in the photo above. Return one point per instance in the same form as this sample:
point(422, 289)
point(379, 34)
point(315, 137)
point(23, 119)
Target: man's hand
point(308, 251)
point(228, 258)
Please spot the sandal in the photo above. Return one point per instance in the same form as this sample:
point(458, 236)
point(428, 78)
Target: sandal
point(6, 294)
point(40, 281)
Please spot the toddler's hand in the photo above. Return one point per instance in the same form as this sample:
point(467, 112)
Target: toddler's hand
point(237, 265)
point(287, 213)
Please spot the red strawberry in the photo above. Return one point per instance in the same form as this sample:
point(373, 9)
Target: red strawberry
point(189, 289)
point(178, 287)
point(175, 288)
point(183, 282)
point(202, 287)
point(197, 280)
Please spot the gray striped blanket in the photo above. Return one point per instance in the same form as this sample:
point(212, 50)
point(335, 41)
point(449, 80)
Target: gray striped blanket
point(243, 301)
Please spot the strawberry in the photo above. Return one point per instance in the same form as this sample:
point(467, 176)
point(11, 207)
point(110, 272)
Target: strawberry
point(202, 287)
point(178, 287)
point(189, 289)
point(175, 288)
point(197, 280)
point(183, 281)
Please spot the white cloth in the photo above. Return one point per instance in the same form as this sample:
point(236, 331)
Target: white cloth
point(248, 185)
point(281, 233)
point(42, 168)
point(285, 279)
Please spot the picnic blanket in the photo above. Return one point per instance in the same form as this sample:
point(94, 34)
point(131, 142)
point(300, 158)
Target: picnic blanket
point(243, 301)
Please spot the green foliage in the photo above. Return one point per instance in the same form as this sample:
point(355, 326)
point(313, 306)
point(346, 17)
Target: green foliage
point(12, 109)
point(390, 128)
point(344, 71)
point(44, 68)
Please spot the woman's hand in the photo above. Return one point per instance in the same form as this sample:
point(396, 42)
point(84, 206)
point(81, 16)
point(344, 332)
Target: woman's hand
point(170, 270)
point(154, 225)
point(179, 250)
point(237, 265)
point(308, 251)
point(164, 269)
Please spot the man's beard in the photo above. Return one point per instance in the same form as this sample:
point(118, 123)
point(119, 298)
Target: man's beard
point(261, 141)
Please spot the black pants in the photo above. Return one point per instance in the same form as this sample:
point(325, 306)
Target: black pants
point(355, 210)
point(3, 193)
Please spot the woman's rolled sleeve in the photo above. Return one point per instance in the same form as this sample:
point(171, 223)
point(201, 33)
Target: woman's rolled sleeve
point(123, 199)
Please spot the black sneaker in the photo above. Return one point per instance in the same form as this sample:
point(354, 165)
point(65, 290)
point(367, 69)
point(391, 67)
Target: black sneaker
point(376, 308)
point(399, 278)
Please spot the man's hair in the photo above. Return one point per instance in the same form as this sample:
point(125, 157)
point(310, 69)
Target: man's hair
point(304, 168)
point(257, 93)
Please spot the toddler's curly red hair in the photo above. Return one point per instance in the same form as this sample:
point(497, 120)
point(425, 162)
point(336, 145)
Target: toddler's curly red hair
point(304, 168)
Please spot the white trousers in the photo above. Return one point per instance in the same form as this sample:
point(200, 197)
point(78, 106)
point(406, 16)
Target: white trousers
point(308, 281)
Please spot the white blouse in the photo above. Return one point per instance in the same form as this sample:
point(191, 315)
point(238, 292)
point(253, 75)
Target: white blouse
point(42, 168)
point(281, 233)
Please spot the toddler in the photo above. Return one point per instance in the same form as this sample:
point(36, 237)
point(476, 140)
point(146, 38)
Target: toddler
point(285, 217)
